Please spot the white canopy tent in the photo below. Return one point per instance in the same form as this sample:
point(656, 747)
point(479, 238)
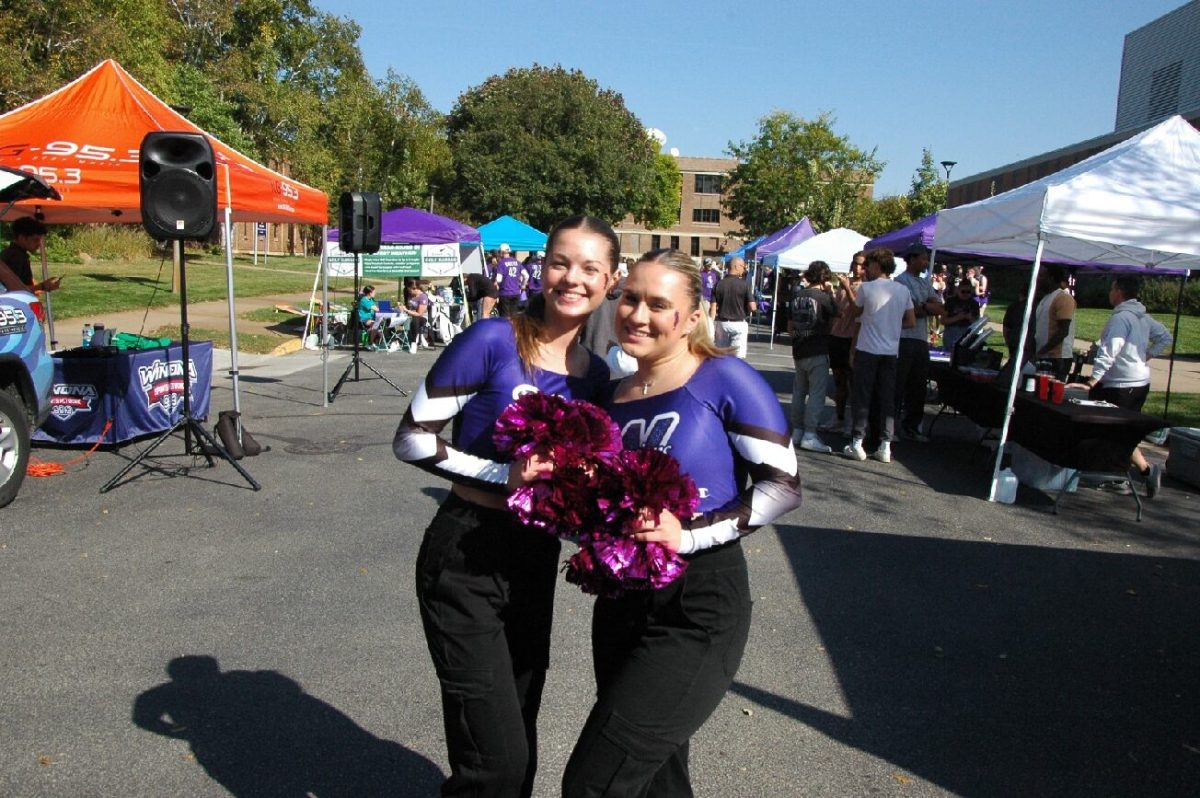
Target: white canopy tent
point(1137, 204)
point(836, 247)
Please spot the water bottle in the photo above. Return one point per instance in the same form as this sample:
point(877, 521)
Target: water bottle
point(87, 335)
point(1006, 486)
point(99, 336)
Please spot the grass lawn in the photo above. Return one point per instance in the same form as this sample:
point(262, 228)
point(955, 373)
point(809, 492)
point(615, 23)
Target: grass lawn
point(1090, 321)
point(92, 289)
point(1184, 410)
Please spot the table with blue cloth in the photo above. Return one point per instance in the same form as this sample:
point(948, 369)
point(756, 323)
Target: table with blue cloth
point(139, 391)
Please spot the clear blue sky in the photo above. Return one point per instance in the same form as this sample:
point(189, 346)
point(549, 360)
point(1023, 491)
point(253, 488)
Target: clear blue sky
point(983, 84)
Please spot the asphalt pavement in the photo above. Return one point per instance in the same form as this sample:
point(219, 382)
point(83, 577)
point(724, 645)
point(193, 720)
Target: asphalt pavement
point(184, 634)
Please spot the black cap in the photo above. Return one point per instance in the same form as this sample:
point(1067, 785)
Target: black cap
point(914, 250)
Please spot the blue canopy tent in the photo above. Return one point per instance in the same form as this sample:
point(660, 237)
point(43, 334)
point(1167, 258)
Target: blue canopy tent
point(518, 235)
point(745, 251)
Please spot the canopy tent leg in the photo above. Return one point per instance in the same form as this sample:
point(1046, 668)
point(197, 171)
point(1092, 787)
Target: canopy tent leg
point(1174, 343)
point(774, 310)
point(46, 303)
point(1016, 371)
point(323, 274)
point(233, 343)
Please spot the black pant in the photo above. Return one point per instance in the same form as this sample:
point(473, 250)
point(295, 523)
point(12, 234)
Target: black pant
point(912, 376)
point(663, 661)
point(510, 305)
point(874, 391)
point(485, 585)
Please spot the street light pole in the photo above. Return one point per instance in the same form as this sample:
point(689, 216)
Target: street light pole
point(948, 165)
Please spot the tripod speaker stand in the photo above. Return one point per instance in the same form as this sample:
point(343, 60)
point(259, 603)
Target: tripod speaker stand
point(178, 175)
point(359, 232)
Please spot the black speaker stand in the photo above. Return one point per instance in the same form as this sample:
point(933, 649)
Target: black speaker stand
point(356, 359)
point(205, 443)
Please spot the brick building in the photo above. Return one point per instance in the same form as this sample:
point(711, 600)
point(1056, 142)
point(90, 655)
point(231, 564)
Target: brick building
point(703, 226)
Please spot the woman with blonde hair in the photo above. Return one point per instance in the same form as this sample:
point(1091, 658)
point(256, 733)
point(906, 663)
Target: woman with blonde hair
point(664, 658)
point(485, 582)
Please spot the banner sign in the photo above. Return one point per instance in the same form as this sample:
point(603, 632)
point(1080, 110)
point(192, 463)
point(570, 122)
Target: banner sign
point(141, 392)
point(397, 260)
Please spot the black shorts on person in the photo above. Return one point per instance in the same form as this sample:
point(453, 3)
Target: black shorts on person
point(485, 587)
point(1127, 398)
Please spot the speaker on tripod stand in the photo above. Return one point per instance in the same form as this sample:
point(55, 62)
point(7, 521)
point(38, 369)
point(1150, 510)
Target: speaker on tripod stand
point(359, 231)
point(177, 177)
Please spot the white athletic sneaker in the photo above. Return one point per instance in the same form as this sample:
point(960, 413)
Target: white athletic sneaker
point(811, 443)
point(884, 453)
point(854, 450)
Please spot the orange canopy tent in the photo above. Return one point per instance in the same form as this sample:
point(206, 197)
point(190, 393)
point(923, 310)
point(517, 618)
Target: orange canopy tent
point(83, 139)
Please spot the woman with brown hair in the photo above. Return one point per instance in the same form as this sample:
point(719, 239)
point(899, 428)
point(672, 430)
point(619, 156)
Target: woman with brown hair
point(485, 582)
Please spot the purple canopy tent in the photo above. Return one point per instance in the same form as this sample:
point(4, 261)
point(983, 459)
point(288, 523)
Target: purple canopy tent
point(786, 238)
point(415, 226)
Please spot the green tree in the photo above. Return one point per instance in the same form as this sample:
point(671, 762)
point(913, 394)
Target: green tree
point(928, 192)
point(883, 215)
point(660, 207)
point(543, 143)
point(794, 168)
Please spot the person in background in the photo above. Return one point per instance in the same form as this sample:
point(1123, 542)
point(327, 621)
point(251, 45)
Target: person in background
point(912, 367)
point(664, 659)
point(937, 281)
point(1120, 373)
point(510, 281)
point(961, 310)
point(365, 309)
point(883, 308)
point(842, 333)
point(485, 582)
point(810, 311)
point(418, 307)
point(982, 292)
point(481, 295)
point(16, 271)
point(733, 302)
point(1054, 320)
point(533, 272)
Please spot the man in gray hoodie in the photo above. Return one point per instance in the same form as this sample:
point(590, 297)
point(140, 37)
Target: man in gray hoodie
point(1120, 374)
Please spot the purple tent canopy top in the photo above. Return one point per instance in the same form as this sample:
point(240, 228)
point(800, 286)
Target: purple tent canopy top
point(786, 238)
point(414, 226)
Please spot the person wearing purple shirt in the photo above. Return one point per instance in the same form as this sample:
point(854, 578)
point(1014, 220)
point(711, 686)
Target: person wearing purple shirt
point(510, 279)
point(533, 272)
point(485, 582)
point(664, 659)
point(708, 280)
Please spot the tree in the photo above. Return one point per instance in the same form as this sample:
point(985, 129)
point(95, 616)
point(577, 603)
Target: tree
point(794, 168)
point(661, 205)
point(883, 215)
point(543, 143)
point(928, 192)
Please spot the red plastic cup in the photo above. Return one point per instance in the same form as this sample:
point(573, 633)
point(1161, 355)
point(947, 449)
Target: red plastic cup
point(1043, 386)
point(1058, 389)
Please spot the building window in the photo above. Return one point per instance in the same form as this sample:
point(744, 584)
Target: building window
point(708, 184)
point(655, 242)
point(695, 246)
point(706, 215)
point(674, 242)
point(1164, 91)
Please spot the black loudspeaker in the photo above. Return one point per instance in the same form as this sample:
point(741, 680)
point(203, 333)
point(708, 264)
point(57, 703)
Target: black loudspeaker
point(177, 175)
point(359, 225)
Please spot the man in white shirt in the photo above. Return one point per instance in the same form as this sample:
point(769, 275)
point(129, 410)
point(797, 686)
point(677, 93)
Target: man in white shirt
point(1120, 373)
point(883, 308)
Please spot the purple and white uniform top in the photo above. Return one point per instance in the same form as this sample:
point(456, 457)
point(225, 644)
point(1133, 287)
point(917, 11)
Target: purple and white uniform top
point(508, 276)
point(724, 426)
point(475, 378)
point(533, 273)
point(708, 280)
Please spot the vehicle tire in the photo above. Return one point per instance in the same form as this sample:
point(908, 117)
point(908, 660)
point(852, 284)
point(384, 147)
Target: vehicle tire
point(14, 445)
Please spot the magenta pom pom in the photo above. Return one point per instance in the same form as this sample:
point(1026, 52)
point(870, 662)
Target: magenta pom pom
point(596, 492)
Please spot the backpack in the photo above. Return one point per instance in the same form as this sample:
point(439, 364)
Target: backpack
point(806, 315)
